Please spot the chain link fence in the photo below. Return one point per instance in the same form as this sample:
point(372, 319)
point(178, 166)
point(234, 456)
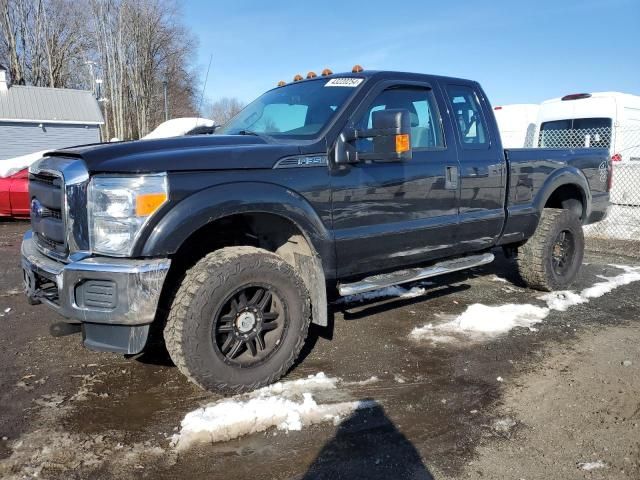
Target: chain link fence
point(623, 217)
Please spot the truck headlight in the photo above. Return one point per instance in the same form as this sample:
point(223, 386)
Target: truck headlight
point(118, 209)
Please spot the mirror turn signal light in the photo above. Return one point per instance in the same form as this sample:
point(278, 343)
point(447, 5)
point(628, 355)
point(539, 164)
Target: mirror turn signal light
point(326, 72)
point(357, 69)
point(403, 144)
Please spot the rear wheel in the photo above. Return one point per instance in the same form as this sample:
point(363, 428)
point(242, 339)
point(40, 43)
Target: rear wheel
point(238, 321)
point(551, 258)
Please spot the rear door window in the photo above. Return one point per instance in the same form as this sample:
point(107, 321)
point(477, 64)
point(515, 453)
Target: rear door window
point(467, 115)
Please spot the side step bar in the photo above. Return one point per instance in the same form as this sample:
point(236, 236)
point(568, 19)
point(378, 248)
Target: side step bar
point(403, 276)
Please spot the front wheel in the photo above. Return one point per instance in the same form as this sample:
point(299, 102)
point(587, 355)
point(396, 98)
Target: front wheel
point(551, 258)
point(238, 321)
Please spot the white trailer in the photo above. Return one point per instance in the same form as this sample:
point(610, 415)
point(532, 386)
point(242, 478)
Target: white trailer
point(600, 119)
point(517, 124)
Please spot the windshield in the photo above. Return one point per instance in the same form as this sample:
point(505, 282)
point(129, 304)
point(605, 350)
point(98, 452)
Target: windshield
point(297, 111)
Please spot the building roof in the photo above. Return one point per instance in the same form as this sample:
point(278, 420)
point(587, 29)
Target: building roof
point(51, 105)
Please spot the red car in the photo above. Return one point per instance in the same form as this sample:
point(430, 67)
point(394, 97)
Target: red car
point(14, 195)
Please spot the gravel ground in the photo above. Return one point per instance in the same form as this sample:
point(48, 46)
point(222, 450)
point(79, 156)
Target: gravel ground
point(558, 400)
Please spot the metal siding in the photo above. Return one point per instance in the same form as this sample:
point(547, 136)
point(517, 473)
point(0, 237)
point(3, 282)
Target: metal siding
point(18, 139)
point(49, 104)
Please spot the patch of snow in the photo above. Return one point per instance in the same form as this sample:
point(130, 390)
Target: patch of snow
point(496, 278)
point(177, 127)
point(11, 166)
point(484, 320)
point(562, 300)
point(632, 274)
point(592, 465)
point(504, 425)
point(284, 405)
point(368, 381)
point(500, 379)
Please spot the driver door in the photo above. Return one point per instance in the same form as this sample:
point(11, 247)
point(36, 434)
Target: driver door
point(387, 215)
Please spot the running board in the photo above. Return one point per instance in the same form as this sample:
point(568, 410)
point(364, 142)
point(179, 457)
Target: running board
point(403, 276)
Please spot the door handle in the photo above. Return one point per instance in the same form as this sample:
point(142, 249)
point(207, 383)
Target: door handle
point(451, 178)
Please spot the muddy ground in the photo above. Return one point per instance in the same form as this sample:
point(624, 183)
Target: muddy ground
point(530, 404)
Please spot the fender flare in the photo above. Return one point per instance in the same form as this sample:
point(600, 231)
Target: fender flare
point(214, 203)
point(567, 175)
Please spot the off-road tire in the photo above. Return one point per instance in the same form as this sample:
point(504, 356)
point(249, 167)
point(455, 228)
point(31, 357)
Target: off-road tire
point(535, 257)
point(188, 332)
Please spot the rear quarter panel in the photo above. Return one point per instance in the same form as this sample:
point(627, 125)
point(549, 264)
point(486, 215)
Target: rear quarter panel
point(535, 173)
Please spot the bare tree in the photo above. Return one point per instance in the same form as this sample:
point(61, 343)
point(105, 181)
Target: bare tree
point(224, 109)
point(133, 45)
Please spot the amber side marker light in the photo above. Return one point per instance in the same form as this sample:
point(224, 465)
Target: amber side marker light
point(147, 203)
point(402, 143)
point(357, 69)
point(326, 72)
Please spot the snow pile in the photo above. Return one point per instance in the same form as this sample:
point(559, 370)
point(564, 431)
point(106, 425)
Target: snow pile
point(484, 320)
point(284, 405)
point(11, 166)
point(177, 127)
point(561, 301)
point(632, 274)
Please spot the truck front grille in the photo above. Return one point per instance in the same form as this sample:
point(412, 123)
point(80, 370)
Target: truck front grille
point(46, 190)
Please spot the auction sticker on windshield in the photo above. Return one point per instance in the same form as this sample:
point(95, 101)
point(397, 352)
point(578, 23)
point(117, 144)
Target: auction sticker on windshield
point(344, 82)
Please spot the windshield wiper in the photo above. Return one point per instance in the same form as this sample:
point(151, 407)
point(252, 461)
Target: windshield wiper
point(255, 134)
point(249, 132)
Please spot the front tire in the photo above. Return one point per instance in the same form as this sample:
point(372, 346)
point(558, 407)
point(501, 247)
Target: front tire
point(238, 320)
point(551, 258)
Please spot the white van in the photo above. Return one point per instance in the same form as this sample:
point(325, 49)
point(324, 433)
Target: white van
point(600, 119)
point(517, 124)
point(618, 112)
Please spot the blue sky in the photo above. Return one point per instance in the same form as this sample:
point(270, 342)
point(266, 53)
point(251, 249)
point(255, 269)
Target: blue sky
point(520, 52)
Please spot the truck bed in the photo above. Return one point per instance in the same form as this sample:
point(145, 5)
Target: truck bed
point(536, 172)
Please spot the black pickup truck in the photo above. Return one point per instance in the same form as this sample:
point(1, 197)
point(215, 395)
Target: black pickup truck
point(328, 186)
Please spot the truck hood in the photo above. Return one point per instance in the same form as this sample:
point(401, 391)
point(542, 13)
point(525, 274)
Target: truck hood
point(204, 152)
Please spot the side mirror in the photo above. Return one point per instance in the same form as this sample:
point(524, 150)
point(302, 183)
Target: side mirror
point(391, 135)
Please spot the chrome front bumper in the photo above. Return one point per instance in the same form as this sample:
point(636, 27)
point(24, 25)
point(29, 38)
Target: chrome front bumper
point(95, 290)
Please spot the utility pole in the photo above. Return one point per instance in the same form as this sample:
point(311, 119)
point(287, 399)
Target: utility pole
point(166, 104)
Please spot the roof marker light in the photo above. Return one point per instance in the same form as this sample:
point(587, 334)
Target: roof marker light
point(356, 69)
point(576, 96)
point(326, 72)
point(282, 83)
point(311, 75)
point(297, 78)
